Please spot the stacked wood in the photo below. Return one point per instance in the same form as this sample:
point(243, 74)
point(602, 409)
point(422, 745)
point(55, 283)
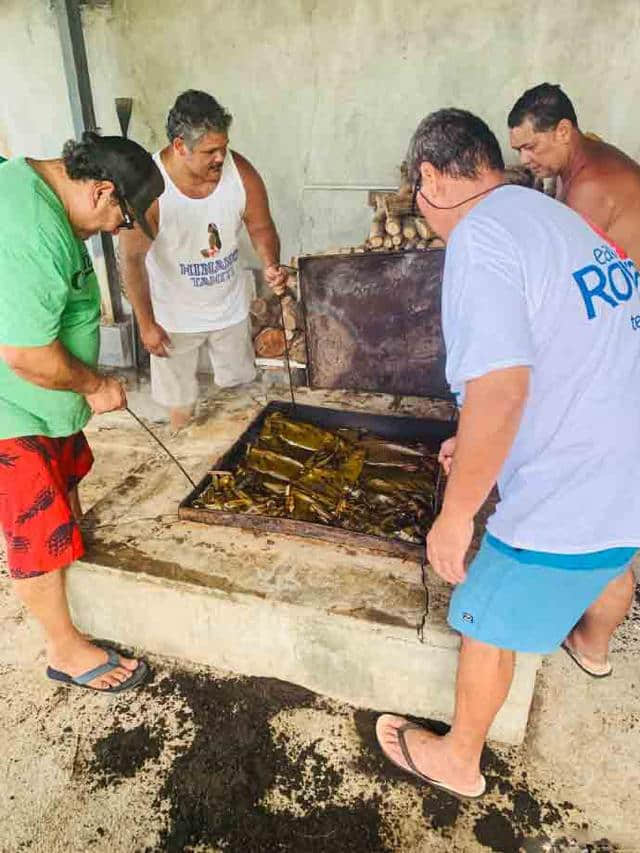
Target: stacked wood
point(298, 349)
point(394, 224)
point(270, 335)
point(269, 343)
point(393, 234)
point(393, 213)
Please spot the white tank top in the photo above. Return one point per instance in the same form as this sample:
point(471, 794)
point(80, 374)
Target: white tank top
point(195, 277)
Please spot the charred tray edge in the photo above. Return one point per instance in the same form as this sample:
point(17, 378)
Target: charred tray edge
point(429, 431)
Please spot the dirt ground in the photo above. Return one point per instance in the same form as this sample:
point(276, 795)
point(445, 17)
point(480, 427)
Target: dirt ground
point(202, 760)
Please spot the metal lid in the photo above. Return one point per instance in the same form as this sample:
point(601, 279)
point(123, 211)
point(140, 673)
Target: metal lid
point(372, 322)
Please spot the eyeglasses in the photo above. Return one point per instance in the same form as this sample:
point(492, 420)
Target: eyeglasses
point(414, 197)
point(418, 191)
point(128, 221)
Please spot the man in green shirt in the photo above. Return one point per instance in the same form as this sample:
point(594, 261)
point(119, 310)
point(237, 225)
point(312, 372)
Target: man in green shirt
point(49, 384)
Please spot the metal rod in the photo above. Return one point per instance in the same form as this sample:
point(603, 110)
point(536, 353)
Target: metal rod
point(436, 495)
point(76, 68)
point(288, 360)
point(351, 187)
point(425, 610)
point(166, 450)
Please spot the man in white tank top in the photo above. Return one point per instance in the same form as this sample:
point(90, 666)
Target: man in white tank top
point(186, 286)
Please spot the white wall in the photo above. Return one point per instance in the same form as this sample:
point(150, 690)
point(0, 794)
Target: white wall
point(35, 117)
point(322, 92)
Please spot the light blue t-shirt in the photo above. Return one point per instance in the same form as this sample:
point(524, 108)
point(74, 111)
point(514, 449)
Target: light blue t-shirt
point(528, 282)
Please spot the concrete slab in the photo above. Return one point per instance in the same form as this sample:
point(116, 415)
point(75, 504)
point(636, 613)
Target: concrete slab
point(332, 619)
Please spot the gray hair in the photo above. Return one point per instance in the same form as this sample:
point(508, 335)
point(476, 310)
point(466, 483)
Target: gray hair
point(456, 143)
point(194, 114)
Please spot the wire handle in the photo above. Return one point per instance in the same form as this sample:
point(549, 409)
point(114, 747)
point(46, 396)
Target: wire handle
point(286, 353)
point(425, 613)
point(166, 449)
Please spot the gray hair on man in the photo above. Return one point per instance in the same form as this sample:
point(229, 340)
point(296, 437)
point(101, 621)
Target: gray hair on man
point(194, 114)
point(456, 142)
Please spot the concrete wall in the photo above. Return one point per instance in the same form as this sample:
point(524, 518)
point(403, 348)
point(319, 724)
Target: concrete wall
point(35, 117)
point(323, 92)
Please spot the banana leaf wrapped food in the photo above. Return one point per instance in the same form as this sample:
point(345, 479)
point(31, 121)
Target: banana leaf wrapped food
point(344, 478)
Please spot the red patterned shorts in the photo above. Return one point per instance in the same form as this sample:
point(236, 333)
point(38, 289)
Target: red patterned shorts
point(36, 475)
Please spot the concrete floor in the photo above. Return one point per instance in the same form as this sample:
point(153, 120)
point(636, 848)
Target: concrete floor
point(204, 761)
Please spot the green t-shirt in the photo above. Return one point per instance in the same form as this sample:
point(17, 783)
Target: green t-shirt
point(48, 291)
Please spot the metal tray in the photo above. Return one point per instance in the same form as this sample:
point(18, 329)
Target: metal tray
point(372, 322)
point(395, 428)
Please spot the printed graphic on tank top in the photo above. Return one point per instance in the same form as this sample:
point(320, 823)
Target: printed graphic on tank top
point(196, 280)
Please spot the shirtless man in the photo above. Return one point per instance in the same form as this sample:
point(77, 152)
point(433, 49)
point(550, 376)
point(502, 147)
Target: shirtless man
point(597, 180)
point(187, 286)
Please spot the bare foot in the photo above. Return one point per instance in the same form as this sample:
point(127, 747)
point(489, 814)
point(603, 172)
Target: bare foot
point(82, 656)
point(179, 418)
point(431, 755)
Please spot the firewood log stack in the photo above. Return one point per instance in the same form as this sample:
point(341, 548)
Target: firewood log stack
point(267, 331)
point(394, 224)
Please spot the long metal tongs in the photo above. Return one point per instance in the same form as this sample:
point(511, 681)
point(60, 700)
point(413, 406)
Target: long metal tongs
point(437, 500)
point(166, 449)
point(286, 342)
point(438, 495)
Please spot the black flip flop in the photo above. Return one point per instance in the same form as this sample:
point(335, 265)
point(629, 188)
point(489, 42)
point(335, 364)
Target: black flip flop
point(441, 786)
point(137, 677)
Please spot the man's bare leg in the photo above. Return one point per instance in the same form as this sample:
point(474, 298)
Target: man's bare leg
point(180, 417)
point(67, 650)
point(484, 678)
point(74, 503)
point(590, 637)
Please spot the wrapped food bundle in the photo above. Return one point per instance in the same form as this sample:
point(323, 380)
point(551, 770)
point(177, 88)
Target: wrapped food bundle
point(344, 478)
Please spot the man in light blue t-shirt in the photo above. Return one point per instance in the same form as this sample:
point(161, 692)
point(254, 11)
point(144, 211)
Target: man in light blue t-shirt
point(541, 319)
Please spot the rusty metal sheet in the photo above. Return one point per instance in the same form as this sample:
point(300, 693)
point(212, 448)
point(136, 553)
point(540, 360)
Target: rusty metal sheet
point(372, 322)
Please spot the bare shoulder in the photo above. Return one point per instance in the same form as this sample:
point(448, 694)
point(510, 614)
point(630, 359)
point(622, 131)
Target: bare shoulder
point(610, 167)
point(248, 173)
point(590, 196)
point(613, 158)
point(588, 184)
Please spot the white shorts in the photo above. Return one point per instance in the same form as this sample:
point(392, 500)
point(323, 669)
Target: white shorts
point(174, 380)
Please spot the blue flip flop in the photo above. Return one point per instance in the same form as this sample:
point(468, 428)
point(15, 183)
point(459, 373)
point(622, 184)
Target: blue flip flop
point(137, 677)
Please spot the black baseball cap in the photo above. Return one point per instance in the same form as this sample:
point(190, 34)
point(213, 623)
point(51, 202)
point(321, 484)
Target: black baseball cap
point(136, 177)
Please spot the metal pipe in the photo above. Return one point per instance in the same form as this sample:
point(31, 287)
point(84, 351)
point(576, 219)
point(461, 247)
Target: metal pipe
point(361, 188)
point(76, 69)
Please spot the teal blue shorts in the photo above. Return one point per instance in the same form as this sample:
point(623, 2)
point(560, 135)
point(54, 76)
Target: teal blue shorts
point(529, 601)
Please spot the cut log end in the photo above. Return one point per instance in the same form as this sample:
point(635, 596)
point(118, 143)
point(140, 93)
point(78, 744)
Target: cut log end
point(422, 228)
point(393, 225)
point(269, 343)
